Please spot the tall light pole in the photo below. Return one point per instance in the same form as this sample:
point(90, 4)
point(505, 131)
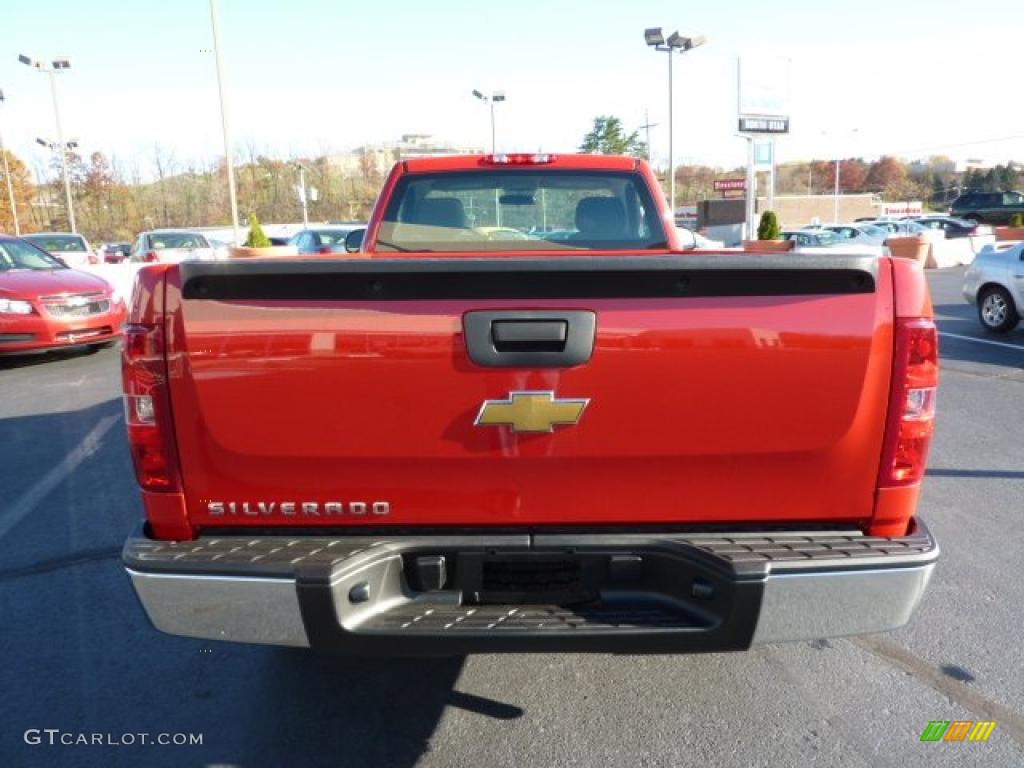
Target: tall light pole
point(751, 187)
point(63, 149)
point(495, 97)
point(302, 194)
point(675, 43)
point(835, 194)
point(51, 69)
point(232, 194)
point(7, 175)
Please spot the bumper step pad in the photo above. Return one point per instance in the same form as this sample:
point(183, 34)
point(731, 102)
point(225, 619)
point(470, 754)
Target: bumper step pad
point(531, 618)
point(656, 592)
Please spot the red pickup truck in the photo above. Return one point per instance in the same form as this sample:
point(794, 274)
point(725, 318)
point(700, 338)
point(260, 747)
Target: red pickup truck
point(526, 416)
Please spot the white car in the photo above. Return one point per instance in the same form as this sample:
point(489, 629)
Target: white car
point(994, 283)
point(906, 227)
point(73, 249)
point(859, 234)
point(825, 240)
point(171, 245)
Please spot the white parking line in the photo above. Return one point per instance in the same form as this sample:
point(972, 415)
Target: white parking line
point(983, 341)
point(29, 500)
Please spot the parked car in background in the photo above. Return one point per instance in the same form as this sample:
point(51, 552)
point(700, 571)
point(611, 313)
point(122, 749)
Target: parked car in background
point(810, 238)
point(505, 233)
point(45, 304)
point(700, 241)
point(988, 207)
point(994, 283)
point(864, 234)
point(69, 247)
point(954, 227)
point(220, 248)
point(171, 246)
point(115, 253)
point(320, 240)
point(907, 227)
point(825, 237)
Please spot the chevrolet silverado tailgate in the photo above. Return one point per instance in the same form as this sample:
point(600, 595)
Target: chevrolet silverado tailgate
point(509, 391)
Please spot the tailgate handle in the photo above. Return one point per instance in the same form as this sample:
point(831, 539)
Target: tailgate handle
point(527, 335)
point(530, 338)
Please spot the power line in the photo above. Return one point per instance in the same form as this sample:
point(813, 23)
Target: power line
point(958, 144)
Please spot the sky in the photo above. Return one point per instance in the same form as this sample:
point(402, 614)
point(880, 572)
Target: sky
point(305, 77)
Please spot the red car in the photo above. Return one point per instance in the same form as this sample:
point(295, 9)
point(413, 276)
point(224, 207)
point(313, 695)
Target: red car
point(46, 305)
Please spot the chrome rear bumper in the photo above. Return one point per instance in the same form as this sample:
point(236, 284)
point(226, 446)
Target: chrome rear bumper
point(639, 593)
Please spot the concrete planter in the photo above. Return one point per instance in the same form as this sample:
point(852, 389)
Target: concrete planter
point(1009, 233)
point(768, 246)
point(914, 247)
point(271, 252)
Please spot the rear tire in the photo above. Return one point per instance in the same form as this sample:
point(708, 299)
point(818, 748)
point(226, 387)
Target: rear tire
point(996, 310)
point(977, 218)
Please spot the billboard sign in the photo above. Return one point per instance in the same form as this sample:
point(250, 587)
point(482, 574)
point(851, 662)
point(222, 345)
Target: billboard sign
point(764, 124)
point(907, 208)
point(686, 216)
point(763, 94)
point(726, 185)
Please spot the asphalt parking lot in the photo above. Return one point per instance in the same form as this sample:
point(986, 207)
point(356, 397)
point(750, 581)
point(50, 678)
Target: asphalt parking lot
point(81, 657)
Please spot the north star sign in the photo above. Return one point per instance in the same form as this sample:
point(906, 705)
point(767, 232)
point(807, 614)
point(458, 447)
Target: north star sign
point(764, 125)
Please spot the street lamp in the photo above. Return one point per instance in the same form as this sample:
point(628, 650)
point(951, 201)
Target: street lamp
point(494, 98)
point(835, 193)
point(7, 175)
point(675, 43)
point(57, 65)
point(224, 121)
point(302, 193)
point(55, 146)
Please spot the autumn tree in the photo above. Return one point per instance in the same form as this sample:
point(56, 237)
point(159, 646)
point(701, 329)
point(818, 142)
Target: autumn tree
point(24, 192)
point(853, 175)
point(608, 137)
point(822, 175)
point(885, 173)
point(93, 206)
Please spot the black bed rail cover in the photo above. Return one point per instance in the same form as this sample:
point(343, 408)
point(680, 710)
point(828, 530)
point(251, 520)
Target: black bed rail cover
point(411, 279)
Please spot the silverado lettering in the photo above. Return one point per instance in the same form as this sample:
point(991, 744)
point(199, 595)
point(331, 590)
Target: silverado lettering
point(591, 436)
point(303, 507)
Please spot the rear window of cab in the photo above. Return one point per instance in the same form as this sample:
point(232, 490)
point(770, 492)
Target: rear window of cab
point(521, 210)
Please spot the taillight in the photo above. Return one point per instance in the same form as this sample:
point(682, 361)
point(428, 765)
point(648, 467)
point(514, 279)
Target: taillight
point(911, 419)
point(151, 257)
point(147, 408)
point(519, 158)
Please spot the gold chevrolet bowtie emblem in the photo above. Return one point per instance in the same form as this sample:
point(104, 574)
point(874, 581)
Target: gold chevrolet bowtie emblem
point(531, 412)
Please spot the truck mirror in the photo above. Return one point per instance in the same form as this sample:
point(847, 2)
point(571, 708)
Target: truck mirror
point(354, 240)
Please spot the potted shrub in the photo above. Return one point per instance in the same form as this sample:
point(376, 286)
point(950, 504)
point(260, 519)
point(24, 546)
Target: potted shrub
point(1013, 232)
point(257, 244)
point(769, 235)
point(914, 247)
